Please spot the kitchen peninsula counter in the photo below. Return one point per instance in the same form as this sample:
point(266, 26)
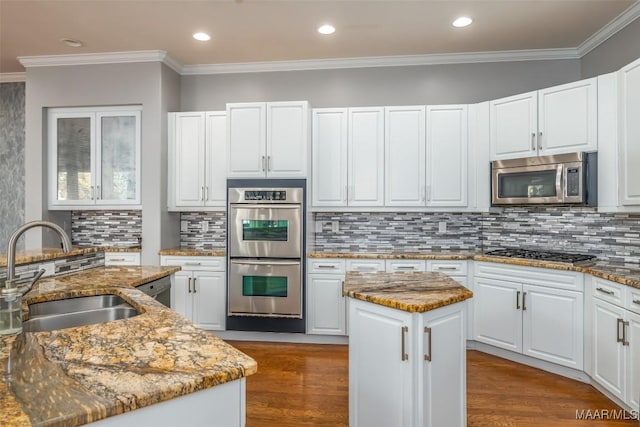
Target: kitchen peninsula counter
point(78, 375)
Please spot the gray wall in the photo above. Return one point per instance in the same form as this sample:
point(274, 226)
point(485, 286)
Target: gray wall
point(11, 159)
point(411, 85)
point(619, 50)
point(96, 85)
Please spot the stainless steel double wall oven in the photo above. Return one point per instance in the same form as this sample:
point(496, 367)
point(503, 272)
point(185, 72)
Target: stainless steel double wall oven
point(266, 250)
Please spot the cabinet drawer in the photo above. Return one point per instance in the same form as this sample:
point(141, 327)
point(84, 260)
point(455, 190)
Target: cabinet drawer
point(195, 263)
point(450, 267)
point(329, 266)
point(608, 291)
point(633, 299)
point(121, 258)
point(405, 265)
point(365, 265)
point(559, 279)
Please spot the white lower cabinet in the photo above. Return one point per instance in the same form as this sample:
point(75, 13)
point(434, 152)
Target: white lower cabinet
point(326, 307)
point(406, 369)
point(198, 291)
point(540, 320)
point(615, 342)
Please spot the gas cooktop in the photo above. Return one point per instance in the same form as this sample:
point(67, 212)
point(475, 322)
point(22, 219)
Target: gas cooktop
point(568, 258)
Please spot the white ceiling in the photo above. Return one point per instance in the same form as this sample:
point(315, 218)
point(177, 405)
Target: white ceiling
point(268, 30)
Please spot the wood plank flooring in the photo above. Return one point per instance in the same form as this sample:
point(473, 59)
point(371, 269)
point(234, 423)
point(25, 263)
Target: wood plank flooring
point(307, 385)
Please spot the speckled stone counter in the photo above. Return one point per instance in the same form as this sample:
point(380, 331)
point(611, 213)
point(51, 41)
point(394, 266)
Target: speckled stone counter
point(78, 375)
point(414, 292)
point(182, 251)
point(441, 255)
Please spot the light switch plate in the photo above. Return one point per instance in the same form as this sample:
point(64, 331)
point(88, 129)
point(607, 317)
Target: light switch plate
point(204, 226)
point(335, 226)
point(49, 269)
point(318, 226)
point(184, 227)
point(442, 227)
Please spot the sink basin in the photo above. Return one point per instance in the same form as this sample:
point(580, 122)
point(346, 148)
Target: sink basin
point(69, 313)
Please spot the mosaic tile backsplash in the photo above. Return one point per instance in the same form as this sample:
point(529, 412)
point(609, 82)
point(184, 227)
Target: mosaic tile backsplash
point(194, 237)
point(12, 122)
point(106, 228)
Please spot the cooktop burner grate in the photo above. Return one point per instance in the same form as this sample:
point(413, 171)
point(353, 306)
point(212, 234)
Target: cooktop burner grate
point(569, 258)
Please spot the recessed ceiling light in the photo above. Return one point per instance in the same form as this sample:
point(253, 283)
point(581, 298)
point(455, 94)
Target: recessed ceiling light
point(203, 37)
point(463, 21)
point(326, 29)
point(72, 42)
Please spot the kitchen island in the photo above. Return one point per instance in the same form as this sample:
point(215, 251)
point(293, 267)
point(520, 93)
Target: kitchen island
point(407, 349)
point(79, 375)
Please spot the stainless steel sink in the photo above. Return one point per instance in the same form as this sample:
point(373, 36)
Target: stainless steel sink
point(69, 313)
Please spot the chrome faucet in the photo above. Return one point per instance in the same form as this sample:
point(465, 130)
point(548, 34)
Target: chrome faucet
point(13, 240)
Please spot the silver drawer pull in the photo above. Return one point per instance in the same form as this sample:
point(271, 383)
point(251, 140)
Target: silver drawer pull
point(446, 268)
point(117, 259)
point(192, 263)
point(406, 267)
point(605, 291)
point(326, 266)
point(636, 301)
point(365, 268)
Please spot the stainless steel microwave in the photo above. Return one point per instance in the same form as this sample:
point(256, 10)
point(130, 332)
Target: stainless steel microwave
point(565, 179)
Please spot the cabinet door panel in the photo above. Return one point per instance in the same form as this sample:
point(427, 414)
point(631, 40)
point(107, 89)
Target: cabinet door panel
point(633, 364)
point(325, 305)
point(552, 325)
point(444, 398)
point(246, 156)
point(447, 139)
point(287, 139)
point(209, 300)
point(514, 126)
point(329, 169)
point(366, 157)
point(568, 118)
point(380, 386)
point(608, 354)
point(404, 148)
point(216, 168)
point(498, 320)
point(629, 96)
point(189, 158)
point(180, 295)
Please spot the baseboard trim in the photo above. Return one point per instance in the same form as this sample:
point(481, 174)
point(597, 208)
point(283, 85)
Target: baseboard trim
point(280, 337)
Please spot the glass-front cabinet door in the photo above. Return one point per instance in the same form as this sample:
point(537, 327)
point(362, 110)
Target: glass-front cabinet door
point(94, 157)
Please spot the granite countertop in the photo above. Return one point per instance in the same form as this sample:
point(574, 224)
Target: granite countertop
point(78, 375)
point(415, 292)
point(183, 251)
point(48, 254)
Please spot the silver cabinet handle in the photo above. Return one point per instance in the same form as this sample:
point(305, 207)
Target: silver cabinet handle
point(192, 263)
point(618, 323)
point(333, 267)
point(406, 267)
point(524, 302)
point(428, 192)
point(624, 333)
point(423, 193)
point(636, 301)
point(364, 268)
point(350, 193)
point(533, 141)
point(117, 259)
point(92, 192)
point(446, 268)
point(518, 300)
point(202, 193)
point(604, 291)
point(427, 357)
point(268, 163)
point(189, 284)
point(540, 140)
point(98, 193)
point(194, 285)
point(206, 192)
point(404, 331)
point(263, 163)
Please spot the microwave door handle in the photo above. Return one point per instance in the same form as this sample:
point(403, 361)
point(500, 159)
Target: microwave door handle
point(561, 183)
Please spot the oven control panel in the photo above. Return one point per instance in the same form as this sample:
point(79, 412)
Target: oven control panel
point(279, 195)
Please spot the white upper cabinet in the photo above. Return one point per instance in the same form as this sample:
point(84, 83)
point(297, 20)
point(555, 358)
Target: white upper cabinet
point(560, 119)
point(447, 141)
point(514, 126)
point(94, 157)
point(366, 157)
point(568, 118)
point(329, 154)
point(404, 153)
point(629, 133)
point(268, 140)
point(197, 161)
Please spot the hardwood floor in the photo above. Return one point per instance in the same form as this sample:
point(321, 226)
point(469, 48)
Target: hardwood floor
point(307, 385)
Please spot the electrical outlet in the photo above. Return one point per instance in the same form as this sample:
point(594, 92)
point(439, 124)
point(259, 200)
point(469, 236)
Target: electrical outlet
point(49, 269)
point(204, 226)
point(442, 227)
point(318, 226)
point(335, 226)
point(184, 226)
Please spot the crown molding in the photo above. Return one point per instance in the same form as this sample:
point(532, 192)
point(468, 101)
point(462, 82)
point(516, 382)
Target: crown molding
point(382, 61)
point(101, 58)
point(616, 24)
point(13, 77)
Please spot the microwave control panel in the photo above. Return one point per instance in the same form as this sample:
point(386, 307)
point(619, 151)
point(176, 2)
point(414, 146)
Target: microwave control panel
point(573, 182)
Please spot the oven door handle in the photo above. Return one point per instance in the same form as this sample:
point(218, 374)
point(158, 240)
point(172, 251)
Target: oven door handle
point(264, 206)
point(265, 262)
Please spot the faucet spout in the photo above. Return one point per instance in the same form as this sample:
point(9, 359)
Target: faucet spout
point(13, 240)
